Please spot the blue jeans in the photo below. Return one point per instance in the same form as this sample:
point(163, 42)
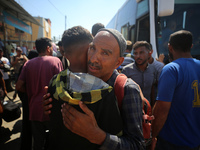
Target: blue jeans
point(165, 145)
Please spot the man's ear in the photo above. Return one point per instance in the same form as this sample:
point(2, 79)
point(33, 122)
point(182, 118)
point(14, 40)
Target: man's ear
point(170, 48)
point(48, 49)
point(150, 52)
point(119, 62)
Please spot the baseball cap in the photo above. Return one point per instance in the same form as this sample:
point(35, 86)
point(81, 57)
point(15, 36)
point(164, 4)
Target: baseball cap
point(119, 37)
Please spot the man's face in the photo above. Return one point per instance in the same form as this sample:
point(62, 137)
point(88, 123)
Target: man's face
point(103, 55)
point(78, 57)
point(19, 52)
point(141, 55)
point(61, 50)
point(51, 50)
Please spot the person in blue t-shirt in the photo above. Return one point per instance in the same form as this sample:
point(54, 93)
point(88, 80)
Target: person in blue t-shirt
point(177, 121)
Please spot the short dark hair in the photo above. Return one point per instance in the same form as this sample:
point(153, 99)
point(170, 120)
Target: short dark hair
point(59, 43)
point(42, 43)
point(75, 35)
point(32, 54)
point(181, 41)
point(142, 43)
point(96, 27)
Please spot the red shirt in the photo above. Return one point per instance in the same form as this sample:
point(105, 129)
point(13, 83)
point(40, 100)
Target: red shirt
point(36, 74)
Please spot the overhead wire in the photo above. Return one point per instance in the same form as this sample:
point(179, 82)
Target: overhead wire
point(31, 4)
point(56, 8)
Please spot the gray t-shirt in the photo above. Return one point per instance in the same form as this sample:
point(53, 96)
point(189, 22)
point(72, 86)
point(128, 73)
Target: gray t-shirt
point(145, 79)
point(158, 68)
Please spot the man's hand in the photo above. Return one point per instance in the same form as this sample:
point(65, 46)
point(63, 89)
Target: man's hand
point(4, 62)
point(161, 58)
point(47, 102)
point(1, 65)
point(83, 124)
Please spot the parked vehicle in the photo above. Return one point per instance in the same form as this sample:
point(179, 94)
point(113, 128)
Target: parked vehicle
point(10, 86)
point(149, 19)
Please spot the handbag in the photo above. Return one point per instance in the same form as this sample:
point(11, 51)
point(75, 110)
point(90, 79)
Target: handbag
point(11, 111)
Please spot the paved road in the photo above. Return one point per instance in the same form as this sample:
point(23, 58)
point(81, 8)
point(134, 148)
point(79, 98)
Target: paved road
point(11, 131)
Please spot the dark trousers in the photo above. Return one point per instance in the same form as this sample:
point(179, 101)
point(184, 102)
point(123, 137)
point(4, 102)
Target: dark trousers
point(165, 145)
point(40, 134)
point(26, 134)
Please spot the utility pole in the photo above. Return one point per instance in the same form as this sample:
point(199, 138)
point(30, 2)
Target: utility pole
point(65, 22)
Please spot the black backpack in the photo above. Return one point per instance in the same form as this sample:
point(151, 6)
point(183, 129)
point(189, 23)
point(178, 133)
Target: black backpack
point(11, 111)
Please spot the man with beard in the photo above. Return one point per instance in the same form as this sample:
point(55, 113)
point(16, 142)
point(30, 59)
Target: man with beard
point(140, 71)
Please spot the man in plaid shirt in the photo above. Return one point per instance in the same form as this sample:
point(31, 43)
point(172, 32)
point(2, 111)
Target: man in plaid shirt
point(105, 54)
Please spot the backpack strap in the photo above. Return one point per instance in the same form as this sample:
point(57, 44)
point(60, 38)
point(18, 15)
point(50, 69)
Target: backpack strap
point(119, 84)
point(147, 116)
point(147, 107)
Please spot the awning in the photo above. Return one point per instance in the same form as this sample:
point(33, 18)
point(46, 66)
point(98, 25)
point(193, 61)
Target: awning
point(11, 20)
point(14, 9)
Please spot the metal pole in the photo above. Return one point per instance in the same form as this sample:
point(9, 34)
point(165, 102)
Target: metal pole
point(4, 38)
point(31, 37)
point(65, 22)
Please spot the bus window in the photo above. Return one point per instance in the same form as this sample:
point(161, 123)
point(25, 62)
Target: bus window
point(142, 8)
point(143, 29)
point(132, 34)
point(185, 17)
point(124, 31)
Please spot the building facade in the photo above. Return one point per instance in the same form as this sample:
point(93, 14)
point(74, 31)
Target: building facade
point(19, 37)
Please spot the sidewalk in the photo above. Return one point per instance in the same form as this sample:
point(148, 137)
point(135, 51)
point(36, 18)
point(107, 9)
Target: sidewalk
point(11, 131)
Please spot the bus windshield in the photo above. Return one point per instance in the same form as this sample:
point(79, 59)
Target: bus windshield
point(186, 16)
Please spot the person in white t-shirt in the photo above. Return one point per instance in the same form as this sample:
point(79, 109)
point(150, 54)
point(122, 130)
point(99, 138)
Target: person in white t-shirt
point(3, 61)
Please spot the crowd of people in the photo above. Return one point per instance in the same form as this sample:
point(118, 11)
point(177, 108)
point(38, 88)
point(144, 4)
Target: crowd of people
point(71, 99)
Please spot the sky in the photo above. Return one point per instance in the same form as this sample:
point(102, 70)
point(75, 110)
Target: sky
point(78, 12)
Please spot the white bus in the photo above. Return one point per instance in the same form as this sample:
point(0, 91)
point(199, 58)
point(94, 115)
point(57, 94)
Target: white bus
point(155, 20)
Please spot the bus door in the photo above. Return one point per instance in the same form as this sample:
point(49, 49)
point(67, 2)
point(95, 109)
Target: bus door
point(143, 29)
point(185, 17)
